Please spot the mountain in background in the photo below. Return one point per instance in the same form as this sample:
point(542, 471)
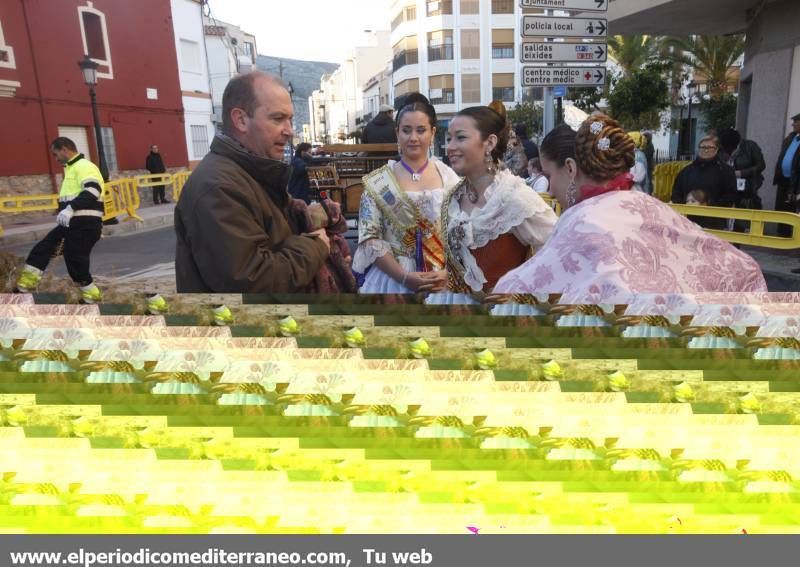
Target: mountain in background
point(304, 76)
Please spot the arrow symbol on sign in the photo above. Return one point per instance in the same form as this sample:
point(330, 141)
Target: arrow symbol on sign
point(600, 4)
point(600, 52)
point(598, 76)
point(601, 29)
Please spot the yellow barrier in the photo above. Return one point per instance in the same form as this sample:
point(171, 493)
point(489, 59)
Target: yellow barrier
point(664, 176)
point(555, 205)
point(153, 180)
point(178, 181)
point(28, 203)
point(122, 196)
point(757, 219)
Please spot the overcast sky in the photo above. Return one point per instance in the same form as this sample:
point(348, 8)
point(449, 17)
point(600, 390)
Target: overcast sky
point(318, 30)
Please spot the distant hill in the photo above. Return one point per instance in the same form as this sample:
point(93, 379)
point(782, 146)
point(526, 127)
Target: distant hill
point(304, 76)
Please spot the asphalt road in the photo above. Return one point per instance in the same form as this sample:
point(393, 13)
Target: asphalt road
point(139, 255)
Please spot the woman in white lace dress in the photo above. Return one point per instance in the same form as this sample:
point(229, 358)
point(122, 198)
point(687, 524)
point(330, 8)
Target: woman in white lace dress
point(491, 220)
point(399, 239)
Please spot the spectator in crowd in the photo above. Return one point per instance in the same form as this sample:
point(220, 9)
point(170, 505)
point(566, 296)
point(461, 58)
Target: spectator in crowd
point(697, 197)
point(381, 129)
point(787, 174)
point(299, 184)
point(514, 158)
point(155, 165)
point(709, 174)
point(531, 149)
point(641, 182)
point(650, 154)
point(747, 160)
point(536, 178)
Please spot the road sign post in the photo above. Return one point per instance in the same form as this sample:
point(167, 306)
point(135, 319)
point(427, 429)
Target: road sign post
point(577, 5)
point(567, 76)
point(559, 26)
point(540, 52)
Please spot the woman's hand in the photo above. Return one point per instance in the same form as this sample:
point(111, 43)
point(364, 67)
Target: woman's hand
point(426, 281)
point(496, 298)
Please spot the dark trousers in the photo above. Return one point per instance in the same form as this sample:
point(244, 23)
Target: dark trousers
point(78, 244)
point(785, 200)
point(158, 194)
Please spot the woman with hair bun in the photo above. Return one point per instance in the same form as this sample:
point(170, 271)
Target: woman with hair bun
point(610, 241)
point(399, 240)
point(492, 219)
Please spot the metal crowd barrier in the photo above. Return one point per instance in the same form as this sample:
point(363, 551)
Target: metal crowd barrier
point(121, 196)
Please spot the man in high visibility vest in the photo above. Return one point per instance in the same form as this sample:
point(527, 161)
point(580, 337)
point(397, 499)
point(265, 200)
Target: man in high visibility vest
point(80, 223)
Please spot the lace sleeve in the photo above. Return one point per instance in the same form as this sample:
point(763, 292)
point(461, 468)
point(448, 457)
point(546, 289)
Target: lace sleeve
point(369, 251)
point(370, 220)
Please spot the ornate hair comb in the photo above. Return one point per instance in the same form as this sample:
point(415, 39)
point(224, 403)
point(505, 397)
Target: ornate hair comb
point(596, 127)
point(603, 144)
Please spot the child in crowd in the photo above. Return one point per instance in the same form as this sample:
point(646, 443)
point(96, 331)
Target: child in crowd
point(697, 197)
point(536, 179)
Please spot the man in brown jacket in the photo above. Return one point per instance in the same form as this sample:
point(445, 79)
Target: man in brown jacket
point(234, 232)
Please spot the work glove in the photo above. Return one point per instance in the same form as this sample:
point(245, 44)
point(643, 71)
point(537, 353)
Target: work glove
point(64, 216)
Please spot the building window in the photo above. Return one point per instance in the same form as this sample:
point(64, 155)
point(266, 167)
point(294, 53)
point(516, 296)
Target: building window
point(249, 50)
point(470, 44)
point(503, 87)
point(502, 44)
point(471, 88)
point(441, 89)
point(440, 7)
point(440, 45)
point(405, 87)
point(109, 148)
point(94, 34)
point(190, 56)
point(407, 14)
point(470, 7)
point(6, 53)
point(405, 53)
point(199, 141)
point(502, 6)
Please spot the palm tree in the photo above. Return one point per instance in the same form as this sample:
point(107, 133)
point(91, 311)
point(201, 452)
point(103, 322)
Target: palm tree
point(711, 56)
point(633, 52)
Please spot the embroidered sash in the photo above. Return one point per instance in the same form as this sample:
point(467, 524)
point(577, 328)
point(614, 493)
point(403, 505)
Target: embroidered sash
point(418, 234)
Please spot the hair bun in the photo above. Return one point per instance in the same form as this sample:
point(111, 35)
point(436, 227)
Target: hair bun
point(499, 108)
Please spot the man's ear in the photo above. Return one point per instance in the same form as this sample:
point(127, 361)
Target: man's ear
point(239, 119)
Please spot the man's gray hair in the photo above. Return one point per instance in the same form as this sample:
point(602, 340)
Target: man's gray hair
point(240, 93)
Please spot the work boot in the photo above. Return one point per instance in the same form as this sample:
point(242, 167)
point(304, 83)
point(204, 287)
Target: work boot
point(28, 280)
point(156, 305)
point(90, 294)
point(222, 316)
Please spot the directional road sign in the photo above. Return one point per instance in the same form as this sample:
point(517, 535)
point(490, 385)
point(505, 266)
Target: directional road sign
point(551, 26)
point(563, 52)
point(568, 76)
point(577, 5)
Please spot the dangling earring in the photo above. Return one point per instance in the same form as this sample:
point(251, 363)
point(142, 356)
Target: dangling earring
point(489, 163)
point(572, 194)
point(399, 150)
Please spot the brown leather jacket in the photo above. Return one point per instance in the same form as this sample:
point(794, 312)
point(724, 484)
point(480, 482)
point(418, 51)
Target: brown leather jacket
point(233, 228)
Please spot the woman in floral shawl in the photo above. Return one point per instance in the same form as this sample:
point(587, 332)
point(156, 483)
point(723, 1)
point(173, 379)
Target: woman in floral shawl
point(611, 241)
point(399, 239)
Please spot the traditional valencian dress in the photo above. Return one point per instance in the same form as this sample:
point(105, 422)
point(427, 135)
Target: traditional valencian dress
point(483, 245)
point(617, 242)
point(403, 223)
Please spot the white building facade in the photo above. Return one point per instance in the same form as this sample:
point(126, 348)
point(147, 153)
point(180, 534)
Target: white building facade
point(231, 51)
point(187, 18)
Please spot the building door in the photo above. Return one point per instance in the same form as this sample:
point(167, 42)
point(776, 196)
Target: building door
point(79, 135)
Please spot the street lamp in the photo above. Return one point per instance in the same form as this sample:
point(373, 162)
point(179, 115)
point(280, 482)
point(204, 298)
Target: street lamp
point(690, 87)
point(89, 70)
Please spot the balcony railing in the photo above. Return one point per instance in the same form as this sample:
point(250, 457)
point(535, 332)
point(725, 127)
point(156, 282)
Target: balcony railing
point(506, 94)
point(503, 51)
point(446, 96)
point(440, 52)
point(403, 58)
